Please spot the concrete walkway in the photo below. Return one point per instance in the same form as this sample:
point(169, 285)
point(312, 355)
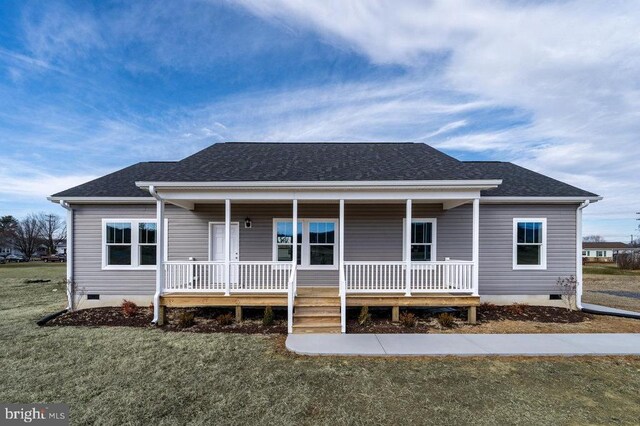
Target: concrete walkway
point(464, 344)
point(599, 309)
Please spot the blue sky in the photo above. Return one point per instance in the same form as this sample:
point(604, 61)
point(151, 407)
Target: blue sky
point(90, 87)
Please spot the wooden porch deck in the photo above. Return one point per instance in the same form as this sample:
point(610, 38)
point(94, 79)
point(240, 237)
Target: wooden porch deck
point(317, 309)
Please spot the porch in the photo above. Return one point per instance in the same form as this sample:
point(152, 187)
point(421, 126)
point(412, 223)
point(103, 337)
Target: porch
point(351, 271)
point(324, 245)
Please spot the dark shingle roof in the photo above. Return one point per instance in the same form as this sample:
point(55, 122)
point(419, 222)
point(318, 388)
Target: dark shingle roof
point(520, 182)
point(604, 245)
point(246, 162)
point(120, 183)
point(235, 161)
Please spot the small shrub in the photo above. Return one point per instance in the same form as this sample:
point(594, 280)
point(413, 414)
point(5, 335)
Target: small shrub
point(364, 316)
point(185, 319)
point(517, 308)
point(225, 319)
point(129, 308)
point(267, 319)
point(446, 320)
point(567, 288)
point(408, 320)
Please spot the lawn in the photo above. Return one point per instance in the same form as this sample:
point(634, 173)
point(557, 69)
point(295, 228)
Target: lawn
point(605, 284)
point(144, 376)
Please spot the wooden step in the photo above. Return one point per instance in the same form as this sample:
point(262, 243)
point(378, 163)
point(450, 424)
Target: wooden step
point(317, 291)
point(320, 310)
point(315, 320)
point(316, 329)
point(316, 301)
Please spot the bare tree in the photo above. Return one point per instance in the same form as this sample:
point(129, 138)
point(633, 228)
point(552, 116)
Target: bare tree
point(53, 230)
point(8, 226)
point(27, 235)
point(593, 239)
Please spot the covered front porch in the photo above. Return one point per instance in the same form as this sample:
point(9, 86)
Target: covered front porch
point(317, 254)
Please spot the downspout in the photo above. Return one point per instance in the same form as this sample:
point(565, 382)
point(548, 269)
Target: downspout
point(579, 254)
point(70, 254)
point(156, 296)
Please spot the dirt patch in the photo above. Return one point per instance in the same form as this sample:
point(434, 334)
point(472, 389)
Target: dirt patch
point(205, 320)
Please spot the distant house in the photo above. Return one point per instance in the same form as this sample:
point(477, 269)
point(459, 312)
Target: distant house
point(602, 251)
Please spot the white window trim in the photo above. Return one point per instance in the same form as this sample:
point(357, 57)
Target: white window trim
point(543, 246)
point(434, 237)
point(306, 248)
point(135, 246)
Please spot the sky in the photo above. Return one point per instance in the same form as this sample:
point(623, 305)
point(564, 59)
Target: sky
point(87, 88)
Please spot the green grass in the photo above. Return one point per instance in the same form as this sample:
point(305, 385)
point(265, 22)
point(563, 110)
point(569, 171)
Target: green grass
point(607, 269)
point(147, 376)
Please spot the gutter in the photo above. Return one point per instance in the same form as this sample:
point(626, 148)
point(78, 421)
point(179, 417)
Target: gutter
point(70, 254)
point(579, 253)
point(156, 296)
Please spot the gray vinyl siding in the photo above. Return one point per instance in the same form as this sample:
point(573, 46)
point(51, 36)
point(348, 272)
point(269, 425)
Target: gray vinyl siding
point(496, 249)
point(87, 240)
point(373, 232)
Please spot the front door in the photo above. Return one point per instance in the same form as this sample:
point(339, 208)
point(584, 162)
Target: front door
point(217, 244)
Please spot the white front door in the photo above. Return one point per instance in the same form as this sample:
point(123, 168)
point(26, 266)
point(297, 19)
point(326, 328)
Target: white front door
point(217, 244)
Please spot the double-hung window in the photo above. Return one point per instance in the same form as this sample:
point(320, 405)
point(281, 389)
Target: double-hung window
point(129, 243)
point(322, 242)
point(530, 243)
point(317, 238)
point(422, 240)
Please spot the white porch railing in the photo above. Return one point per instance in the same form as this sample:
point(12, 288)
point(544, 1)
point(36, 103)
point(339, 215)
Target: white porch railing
point(247, 277)
point(426, 277)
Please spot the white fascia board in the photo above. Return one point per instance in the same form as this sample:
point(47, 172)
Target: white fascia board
point(293, 185)
point(282, 195)
point(534, 200)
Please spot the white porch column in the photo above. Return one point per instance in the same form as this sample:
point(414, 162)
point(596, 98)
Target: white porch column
point(227, 247)
point(476, 244)
point(407, 249)
point(159, 259)
point(294, 248)
point(341, 246)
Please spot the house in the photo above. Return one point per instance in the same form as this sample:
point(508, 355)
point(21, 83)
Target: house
point(319, 227)
point(602, 251)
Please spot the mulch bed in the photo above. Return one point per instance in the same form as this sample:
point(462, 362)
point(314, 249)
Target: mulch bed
point(427, 318)
point(205, 320)
point(520, 312)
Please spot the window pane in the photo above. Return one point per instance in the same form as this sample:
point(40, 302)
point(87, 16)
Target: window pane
point(421, 232)
point(285, 233)
point(536, 228)
point(322, 232)
point(528, 255)
point(118, 233)
point(417, 233)
point(147, 233)
point(522, 232)
point(321, 255)
point(420, 252)
point(148, 255)
point(119, 255)
point(285, 252)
